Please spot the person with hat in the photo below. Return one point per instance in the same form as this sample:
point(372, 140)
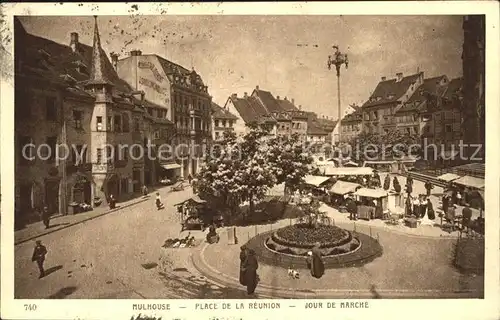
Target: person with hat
point(39, 257)
point(46, 217)
point(243, 258)
point(450, 215)
point(428, 187)
point(466, 216)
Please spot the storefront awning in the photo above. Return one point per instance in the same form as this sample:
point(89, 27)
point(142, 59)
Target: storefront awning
point(348, 171)
point(344, 187)
point(371, 193)
point(448, 177)
point(171, 166)
point(315, 180)
point(469, 181)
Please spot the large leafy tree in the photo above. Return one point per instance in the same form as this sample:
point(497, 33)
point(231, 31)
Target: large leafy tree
point(288, 161)
point(237, 171)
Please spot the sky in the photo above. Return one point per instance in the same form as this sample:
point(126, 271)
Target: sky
point(286, 55)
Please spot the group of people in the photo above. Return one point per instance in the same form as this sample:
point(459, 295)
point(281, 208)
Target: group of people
point(419, 207)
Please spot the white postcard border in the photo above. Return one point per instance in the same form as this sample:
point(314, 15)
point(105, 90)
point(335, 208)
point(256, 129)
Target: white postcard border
point(486, 308)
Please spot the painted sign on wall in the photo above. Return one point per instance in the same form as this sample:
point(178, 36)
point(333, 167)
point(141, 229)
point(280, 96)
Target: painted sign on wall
point(152, 67)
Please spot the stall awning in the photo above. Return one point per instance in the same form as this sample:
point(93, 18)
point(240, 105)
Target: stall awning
point(371, 193)
point(448, 177)
point(348, 171)
point(194, 198)
point(316, 180)
point(469, 181)
point(344, 187)
point(171, 166)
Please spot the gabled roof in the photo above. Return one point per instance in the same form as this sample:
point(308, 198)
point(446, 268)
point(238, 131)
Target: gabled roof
point(54, 61)
point(287, 105)
point(268, 100)
point(390, 90)
point(220, 113)
point(434, 86)
point(249, 108)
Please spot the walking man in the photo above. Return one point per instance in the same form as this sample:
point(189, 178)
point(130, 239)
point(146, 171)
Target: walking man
point(46, 217)
point(39, 257)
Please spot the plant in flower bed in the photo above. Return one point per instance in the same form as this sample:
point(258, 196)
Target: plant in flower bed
point(303, 236)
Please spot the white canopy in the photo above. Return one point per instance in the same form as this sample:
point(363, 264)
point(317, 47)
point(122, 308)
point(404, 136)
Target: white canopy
point(316, 180)
point(348, 171)
point(448, 177)
point(343, 187)
point(469, 181)
point(371, 193)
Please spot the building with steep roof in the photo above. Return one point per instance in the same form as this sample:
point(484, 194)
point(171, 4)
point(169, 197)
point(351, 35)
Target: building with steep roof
point(408, 119)
point(389, 95)
point(80, 102)
point(222, 121)
point(351, 124)
point(185, 101)
point(441, 120)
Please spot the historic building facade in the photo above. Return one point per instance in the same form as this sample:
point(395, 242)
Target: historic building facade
point(473, 59)
point(87, 118)
point(222, 121)
point(389, 96)
point(185, 101)
point(351, 125)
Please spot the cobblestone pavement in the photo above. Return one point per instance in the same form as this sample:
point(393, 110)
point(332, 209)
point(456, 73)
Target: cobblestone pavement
point(409, 264)
point(116, 256)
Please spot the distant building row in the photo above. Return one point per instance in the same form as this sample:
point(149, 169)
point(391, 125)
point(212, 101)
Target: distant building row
point(437, 109)
point(281, 116)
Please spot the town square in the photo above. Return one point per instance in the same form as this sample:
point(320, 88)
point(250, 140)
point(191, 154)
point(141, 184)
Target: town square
point(281, 164)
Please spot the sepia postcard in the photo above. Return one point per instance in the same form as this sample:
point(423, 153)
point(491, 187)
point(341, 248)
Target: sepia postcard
point(250, 160)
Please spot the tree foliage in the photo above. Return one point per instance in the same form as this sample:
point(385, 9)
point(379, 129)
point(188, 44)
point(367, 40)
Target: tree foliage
point(388, 145)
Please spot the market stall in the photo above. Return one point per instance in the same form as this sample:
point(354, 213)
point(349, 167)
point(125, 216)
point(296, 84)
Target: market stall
point(448, 177)
point(340, 189)
point(195, 214)
point(373, 203)
point(349, 171)
point(470, 182)
point(317, 185)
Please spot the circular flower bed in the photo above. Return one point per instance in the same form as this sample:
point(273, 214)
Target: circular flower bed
point(305, 236)
point(338, 253)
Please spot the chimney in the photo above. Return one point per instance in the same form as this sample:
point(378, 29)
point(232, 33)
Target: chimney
point(234, 96)
point(245, 94)
point(293, 101)
point(399, 76)
point(278, 97)
point(114, 60)
point(383, 78)
point(257, 88)
point(135, 53)
point(286, 99)
point(74, 41)
point(300, 107)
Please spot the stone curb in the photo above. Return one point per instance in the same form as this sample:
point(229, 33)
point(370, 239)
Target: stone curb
point(78, 222)
point(218, 277)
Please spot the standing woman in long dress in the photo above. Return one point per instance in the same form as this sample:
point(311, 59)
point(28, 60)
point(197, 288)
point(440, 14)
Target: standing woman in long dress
point(430, 210)
point(243, 258)
point(317, 265)
point(251, 265)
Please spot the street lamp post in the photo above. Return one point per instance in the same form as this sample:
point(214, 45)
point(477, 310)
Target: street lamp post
point(337, 60)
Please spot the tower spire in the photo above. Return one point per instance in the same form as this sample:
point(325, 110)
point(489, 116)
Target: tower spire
point(97, 73)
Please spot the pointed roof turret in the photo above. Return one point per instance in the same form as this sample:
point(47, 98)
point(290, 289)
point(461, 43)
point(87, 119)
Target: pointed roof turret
point(97, 73)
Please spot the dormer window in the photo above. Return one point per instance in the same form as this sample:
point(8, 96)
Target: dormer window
point(378, 98)
point(391, 96)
